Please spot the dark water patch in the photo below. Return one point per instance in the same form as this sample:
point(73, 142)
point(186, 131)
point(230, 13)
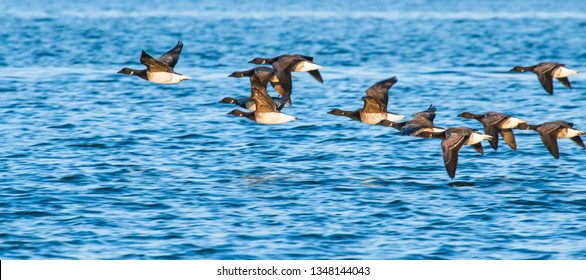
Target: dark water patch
point(534, 254)
point(74, 178)
point(63, 126)
point(102, 81)
point(33, 214)
point(8, 89)
point(194, 136)
point(342, 189)
point(89, 145)
point(142, 206)
point(524, 202)
point(108, 190)
point(41, 144)
point(421, 257)
point(166, 216)
point(462, 184)
point(343, 237)
point(145, 131)
point(311, 237)
point(21, 155)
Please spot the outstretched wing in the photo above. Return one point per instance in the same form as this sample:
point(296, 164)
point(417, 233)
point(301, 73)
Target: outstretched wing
point(546, 81)
point(152, 64)
point(565, 82)
point(493, 131)
point(428, 114)
point(373, 105)
point(315, 74)
point(509, 138)
point(171, 57)
point(451, 147)
point(380, 90)
point(282, 69)
point(264, 103)
point(550, 140)
point(578, 141)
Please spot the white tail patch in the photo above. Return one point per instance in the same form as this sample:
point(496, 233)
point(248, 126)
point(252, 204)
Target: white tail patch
point(563, 72)
point(305, 66)
point(273, 118)
point(569, 133)
point(476, 138)
point(437, 129)
point(512, 123)
point(394, 117)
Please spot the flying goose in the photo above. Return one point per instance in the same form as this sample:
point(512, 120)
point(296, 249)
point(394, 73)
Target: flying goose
point(452, 141)
point(546, 71)
point(495, 123)
point(286, 63)
point(159, 71)
point(270, 74)
point(266, 112)
point(551, 131)
point(421, 125)
point(375, 105)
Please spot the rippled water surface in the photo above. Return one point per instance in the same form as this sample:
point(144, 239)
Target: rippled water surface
point(98, 165)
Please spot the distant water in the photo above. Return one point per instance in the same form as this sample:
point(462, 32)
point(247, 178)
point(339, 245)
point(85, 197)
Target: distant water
point(98, 165)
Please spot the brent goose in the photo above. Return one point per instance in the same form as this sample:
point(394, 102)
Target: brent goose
point(286, 63)
point(495, 123)
point(248, 103)
point(159, 70)
point(264, 76)
point(452, 141)
point(266, 112)
point(546, 71)
point(263, 70)
point(421, 125)
point(551, 131)
point(375, 105)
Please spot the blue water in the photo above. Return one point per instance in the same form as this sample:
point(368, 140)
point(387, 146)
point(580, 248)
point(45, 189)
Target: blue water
point(99, 165)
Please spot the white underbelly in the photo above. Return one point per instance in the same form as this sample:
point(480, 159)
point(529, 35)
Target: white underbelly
point(372, 118)
point(273, 118)
point(563, 72)
point(512, 123)
point(305, 66)
point(165, 77)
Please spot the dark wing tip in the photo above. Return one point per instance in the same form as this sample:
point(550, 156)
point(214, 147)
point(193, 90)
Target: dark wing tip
point(144, 56)
point(494, 143)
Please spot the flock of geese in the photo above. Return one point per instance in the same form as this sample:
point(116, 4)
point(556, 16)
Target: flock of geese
point(265, 109)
